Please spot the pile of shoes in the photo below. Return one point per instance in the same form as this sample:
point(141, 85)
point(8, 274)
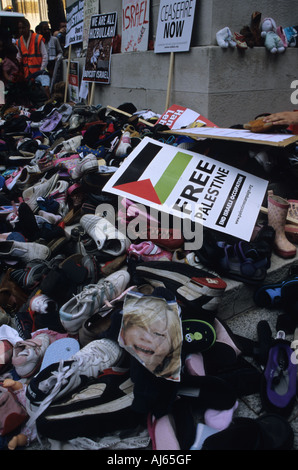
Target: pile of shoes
point(112, 334)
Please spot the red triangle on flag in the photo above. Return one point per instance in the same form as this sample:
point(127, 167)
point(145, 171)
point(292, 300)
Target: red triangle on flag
point(141, 188)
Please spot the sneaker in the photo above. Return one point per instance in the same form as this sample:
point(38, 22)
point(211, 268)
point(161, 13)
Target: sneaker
point(59, 194)
point(148, 251)
point(101, 406)
point(106, 236)
point(41, 303)
point(100, 321)
point(23, 251)
point(41, 189)
point(13, 178)
point(53, 219)
point(29, 175)
point(30, 276)
point(80, 307)
point(85, 165)
point(27, 355)
point(61, 378)
point(187, 282)
point(72, 144)
point(124, 146)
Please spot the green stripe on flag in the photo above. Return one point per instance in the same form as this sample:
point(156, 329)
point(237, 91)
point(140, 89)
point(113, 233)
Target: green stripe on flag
point(171, 175)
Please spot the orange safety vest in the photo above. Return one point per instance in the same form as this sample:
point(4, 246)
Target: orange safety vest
point(31, 57)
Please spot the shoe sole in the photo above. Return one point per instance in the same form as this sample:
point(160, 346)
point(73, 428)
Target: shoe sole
point(199, 281)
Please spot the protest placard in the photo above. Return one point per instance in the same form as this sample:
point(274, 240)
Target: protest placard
point(99, 50)
point(238, 135)
point(135, 25)
point(73, 82)
point(90, 8)
point(75, 23)
point(174, 26)
point(177, 117)
point(191, 186)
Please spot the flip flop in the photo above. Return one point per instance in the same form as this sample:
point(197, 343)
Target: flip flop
point(61, 349)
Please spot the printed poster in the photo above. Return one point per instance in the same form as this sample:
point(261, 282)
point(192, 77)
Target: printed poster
point(174, 26)
point(75, 23)
point(135, 25)
point(177, 117)
point(73, 82)
point(91, 7)
point(190, 186)
point(99, 50)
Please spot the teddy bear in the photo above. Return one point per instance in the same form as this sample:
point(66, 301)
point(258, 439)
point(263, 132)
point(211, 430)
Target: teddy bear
point(273, 42)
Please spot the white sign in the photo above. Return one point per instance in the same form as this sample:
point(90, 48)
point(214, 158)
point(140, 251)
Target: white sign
point(91, 7)
point(135, 25)
point(192, 186)
point(240, 135)
point(174, 27)
point(75, 23)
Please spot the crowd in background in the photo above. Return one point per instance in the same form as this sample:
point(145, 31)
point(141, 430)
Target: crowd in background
point(31, 60)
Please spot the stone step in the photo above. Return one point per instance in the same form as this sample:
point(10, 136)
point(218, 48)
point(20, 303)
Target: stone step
point(238, 296)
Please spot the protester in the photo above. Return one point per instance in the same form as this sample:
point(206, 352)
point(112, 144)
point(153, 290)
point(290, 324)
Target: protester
point(53, 47)
point(13, 76)
point(32, 54)
point(61, 34)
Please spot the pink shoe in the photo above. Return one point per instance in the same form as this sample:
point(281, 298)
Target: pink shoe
point(148, 251)
point(27, 355)
point(133, 210)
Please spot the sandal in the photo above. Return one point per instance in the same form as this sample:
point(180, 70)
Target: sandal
point(242, 262)
point(279, 294)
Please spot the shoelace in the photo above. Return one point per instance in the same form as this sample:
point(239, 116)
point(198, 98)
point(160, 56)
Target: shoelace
point(103, 290)
point(60, 378)
point(88, 358)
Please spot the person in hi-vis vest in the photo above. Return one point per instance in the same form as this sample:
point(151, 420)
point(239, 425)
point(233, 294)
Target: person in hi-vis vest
point(32, 54)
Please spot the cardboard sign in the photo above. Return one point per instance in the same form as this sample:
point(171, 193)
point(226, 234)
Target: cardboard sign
point(174, 26)
point(237, 135)
point(190, 186)
point(75, 23)
point(135, 25)
point(99, 50)
point(178, 116)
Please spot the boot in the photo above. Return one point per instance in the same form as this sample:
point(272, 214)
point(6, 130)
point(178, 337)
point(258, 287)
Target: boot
point(277, 214)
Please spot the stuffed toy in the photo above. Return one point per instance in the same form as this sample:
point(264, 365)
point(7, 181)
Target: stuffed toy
point(273, 42)
point(258, 125)
point(252, 32)
point(225, 38)
point(27, 434)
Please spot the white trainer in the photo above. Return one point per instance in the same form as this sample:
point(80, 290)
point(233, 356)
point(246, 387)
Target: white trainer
point(93, 296)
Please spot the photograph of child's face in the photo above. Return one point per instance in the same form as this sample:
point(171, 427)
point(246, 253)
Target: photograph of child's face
point(151, 332)
point(151, 343)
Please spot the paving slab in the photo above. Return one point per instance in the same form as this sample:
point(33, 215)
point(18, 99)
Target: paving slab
point(238, 296)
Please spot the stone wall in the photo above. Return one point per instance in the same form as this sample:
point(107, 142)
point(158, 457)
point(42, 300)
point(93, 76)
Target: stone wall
point(227, 86)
